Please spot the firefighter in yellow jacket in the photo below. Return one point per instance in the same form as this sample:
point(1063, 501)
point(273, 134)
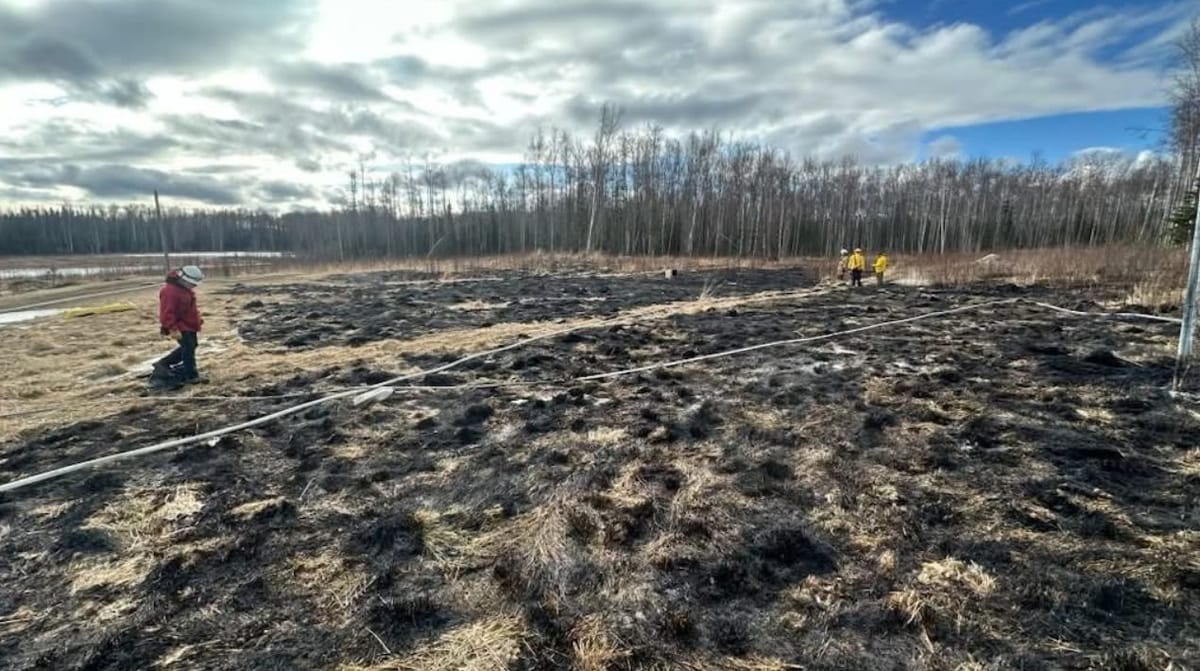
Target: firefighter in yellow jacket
point(881, 265)
point(856, 265)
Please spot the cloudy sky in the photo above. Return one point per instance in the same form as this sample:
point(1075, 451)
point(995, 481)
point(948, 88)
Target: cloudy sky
point(269, 102)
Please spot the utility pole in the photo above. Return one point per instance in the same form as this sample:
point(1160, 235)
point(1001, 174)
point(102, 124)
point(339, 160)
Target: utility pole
point(162, 232)
point(1187, 330)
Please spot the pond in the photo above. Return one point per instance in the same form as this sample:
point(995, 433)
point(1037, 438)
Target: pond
point(125, 264)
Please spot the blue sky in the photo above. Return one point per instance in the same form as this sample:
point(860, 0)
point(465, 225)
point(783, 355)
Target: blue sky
point(1000, 16)
point(1057, 137)
point(1054, 137)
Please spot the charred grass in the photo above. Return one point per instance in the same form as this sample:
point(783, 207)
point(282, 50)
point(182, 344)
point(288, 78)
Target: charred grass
point(1007, 489)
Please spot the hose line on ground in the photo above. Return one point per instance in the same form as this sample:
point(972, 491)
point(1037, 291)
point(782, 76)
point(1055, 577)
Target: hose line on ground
point(216, 433)
point(605, 322)
point(265, 419)
point(76, 299)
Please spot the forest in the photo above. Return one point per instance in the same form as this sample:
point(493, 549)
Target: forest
point(643, 191)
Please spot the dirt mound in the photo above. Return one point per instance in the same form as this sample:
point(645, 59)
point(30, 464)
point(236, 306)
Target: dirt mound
point(973, 491)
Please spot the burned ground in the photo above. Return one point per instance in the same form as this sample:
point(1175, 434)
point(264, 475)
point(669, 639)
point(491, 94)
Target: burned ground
point(1009, 488)
point(362, 309)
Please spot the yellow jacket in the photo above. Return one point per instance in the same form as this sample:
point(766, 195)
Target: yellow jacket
point(857, 262)
point(881, 263)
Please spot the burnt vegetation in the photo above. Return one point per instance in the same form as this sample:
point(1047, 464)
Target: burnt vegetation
point(982, 491)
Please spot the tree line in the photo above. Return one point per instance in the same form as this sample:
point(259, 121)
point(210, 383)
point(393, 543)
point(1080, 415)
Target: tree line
point(643, 193)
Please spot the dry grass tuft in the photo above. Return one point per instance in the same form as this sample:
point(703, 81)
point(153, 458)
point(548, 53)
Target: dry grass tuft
point(144, 520)
point(115, 609)
point(474, 306)
point(328, 578)
point(193, 552)
point(350, 450)
point(492, 644)
point(606, 436)
point(540, 535)
point(887, 563)
point(533, 550)
point(178, 655)
point(249, 510)
point(1156, 291)
point(52, 510)
point(128, 571)
point(18, 621)
point(440, 540)
point(148, 516)
point(593, 646)
point(937, 600)
point(818, 593)
point(911, 604)
point(951, 573)
point(766, 418)
point(728, 664)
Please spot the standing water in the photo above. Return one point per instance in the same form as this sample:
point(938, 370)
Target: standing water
point(133, 264)
point(14, 317)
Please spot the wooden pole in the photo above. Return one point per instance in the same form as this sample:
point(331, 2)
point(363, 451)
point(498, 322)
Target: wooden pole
point(162, 232)
point(1188, 329)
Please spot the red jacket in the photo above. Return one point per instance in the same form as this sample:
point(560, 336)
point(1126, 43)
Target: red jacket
point(177, 306)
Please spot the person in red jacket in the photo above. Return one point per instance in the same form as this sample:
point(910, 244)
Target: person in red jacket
point(179, 320)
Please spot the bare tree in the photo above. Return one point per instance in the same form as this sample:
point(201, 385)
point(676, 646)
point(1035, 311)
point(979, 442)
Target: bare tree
point(644, 192)
point(610, 121)
point(1185, 134)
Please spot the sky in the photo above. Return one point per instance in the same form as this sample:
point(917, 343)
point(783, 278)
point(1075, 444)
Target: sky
point(269, 103)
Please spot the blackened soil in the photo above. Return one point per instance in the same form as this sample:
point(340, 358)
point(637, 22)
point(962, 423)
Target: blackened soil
point(1036, 500)
point(388, 305)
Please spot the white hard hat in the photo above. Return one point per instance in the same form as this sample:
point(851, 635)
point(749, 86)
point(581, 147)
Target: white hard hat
point(844, 252)
point(191, 275)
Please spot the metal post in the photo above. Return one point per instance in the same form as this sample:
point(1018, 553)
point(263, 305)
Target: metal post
point(1187, 329)
point(162, 232)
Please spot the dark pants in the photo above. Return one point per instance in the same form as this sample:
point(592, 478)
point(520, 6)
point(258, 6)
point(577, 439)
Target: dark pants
point(182, 361)
point(879, 279)
point(856, 278)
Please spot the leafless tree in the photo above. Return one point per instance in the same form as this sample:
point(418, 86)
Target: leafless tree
point(644, 192)
point(1184, 191)
point(610, 121)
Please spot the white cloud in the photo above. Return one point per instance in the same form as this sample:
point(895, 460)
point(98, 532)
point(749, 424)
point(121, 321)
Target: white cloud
point(1109, 162)
point(946, 146)
point(464, 79)
point(1147, 157)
